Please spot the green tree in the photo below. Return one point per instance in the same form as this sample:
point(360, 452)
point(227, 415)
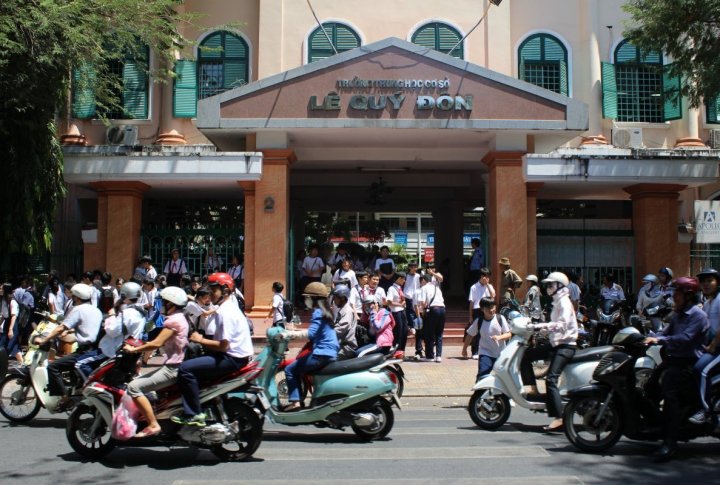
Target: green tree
point(42, 42)
point(686, 30)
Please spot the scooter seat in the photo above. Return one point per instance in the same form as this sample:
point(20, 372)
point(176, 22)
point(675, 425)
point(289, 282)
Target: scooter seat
point(591, 354)
point(351, 365)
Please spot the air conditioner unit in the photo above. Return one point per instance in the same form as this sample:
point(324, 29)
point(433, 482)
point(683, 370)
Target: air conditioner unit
point(125, 135)
point(714, 139)
point(627, 137)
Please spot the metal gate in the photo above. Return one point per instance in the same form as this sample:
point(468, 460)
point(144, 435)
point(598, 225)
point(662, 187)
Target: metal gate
point(193, 245)
point(706, 257)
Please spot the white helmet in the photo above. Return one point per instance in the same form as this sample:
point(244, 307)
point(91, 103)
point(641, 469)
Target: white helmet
point(650, 278)
point(131, 291)
point(557, 277)
point(82, 291)
point(531, 277)
point(174, 295)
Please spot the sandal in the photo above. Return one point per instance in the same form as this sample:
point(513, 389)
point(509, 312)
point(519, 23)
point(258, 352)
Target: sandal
point(554, 427)
point(147, 433)
point(293, 406)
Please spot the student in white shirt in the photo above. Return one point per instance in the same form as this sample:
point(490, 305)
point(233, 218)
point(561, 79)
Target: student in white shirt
point(312, 268)
point(355, 299)
point(385, 266)
point(200, 313)
point(237, 272)
point(494, 331)
point(433, 305)
point(150, 271)
point(478, 291)
point(396, 303)
point(277, 311)
point(345, 273)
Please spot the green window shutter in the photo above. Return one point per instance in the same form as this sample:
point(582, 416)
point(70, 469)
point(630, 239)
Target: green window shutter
point(447, 37)
point(531, 50)
point(234, 74)
point(341, 36)
point(83, 94)
point(672, 98)
point(211, 47)
point(521, 70)
point(425, 37)
point(712, 110)
point(185, 89)
point(135, 90)
point(345, 38)
point(609, 91)
point(563, 78)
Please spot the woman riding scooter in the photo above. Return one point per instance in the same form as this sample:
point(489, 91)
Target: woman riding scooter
point(324, 340)
point(563, 332)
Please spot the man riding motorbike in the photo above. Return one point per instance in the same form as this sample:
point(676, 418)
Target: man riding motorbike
point(345, 322)
point(85, 320)
point(649, 296)
point(230, 349)
point(681, 342)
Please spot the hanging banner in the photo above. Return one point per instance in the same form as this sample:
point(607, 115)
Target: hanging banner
point(707, 221)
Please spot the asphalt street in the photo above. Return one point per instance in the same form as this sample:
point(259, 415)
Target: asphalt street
point(433, 441)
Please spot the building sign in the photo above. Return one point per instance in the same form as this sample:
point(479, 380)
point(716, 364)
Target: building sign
point(429, 255)
point(401, 238)
point(467, 237)
point(379, 94)
point(707, 221)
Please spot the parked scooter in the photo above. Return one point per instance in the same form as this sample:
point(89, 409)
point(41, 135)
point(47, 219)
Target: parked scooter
point(358, 393)
point(23, 391)
point(598, 414)
point(234, 431)
point(489, 405)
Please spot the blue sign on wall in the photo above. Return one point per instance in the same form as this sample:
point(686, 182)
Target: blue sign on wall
point(467, 237)
point(401, 238)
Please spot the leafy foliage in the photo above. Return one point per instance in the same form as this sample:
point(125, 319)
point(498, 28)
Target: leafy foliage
point(41, 43)
point(686, 30)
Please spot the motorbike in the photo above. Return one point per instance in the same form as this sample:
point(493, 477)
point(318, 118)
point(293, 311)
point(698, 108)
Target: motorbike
point(358, 392)
point(609, 321)
point(23, 391)
point(306, 383)
point(3, 361)
point(489, 405)
point(598, 414)
point(234, 430)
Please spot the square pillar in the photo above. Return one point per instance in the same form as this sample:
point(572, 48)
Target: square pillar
point(267, 230)
point(655, 227)
point(508, 214)
point(532, 190)
point(119, 224)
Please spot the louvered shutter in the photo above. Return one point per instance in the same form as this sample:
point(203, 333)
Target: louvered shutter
point(672, 99)
point(185, 89)
point(83, 94)
point(135, 90)
point(211, 47)
point(563, 78)
point(609, 91)
point(712, 110)
point(446, 39)
point(345, 38)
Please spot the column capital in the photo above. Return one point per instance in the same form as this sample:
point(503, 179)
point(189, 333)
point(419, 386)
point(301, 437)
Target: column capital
point(656, 191)
point(248, 186)
point(278, 156)
point(120, 188)
point(533, 188)
point(505, 159)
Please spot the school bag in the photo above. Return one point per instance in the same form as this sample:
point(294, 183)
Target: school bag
point(288, 310)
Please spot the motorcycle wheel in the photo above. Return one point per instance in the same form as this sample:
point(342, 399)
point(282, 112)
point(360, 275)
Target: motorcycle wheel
point(284, 393)
point(385, 419)
point(400, 381)
point(78, 432)
point(579, 417)
point(26, 405)
point(489, 413)
point(249, 436)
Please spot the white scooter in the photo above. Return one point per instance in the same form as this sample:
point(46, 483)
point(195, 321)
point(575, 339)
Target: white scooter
point(23, 391)
point(489, 405)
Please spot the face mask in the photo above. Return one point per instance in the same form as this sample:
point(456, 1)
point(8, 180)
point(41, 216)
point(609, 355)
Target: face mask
point(551, 289)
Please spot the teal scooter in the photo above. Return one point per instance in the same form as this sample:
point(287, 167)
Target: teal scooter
point(357, 393)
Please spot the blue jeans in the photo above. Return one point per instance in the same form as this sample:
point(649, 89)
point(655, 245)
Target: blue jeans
point(295, 372)
point(400, 331)
point(485, 366)
point(88, 362)
point(704, 369)
point(433, 328)
point(205, 367)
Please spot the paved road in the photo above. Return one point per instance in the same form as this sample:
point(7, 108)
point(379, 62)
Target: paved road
point(433, 442)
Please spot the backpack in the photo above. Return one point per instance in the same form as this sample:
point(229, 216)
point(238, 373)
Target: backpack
point(106, 301)
point(288, 310)
point(361, 336)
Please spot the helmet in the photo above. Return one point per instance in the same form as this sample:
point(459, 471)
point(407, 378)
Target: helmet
point(82, 291)
point(531, 277)
point(174, 295)
point(316, 289)
point(557, 277)
point(221, 279)
point(708, 272)
point(666, 271)
point(370, 299)
point(130, 290)
point(650, 278)
point(686, 284)
point(341, 291)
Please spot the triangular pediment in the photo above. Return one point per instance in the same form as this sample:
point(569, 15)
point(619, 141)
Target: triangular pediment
point(394, 84)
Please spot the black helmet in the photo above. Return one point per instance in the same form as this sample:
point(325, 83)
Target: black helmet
point(666, 271)
point(708, 272)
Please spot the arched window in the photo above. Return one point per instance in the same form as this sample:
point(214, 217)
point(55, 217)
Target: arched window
point(439, 36)
point(222, 63)
point(543, 61)
point(342, 37)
